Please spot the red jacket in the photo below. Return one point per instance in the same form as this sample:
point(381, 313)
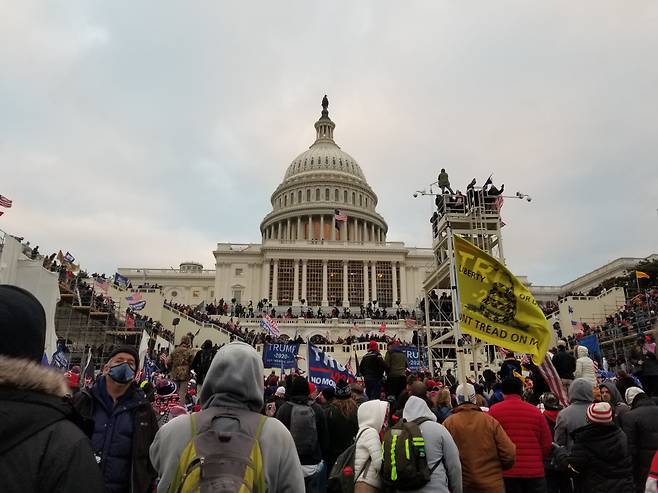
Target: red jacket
point(527, 428)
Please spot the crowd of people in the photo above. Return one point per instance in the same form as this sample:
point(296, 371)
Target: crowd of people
point(229, 427)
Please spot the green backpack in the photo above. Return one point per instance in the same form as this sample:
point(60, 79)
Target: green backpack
point(222, 461)
point(404, 460)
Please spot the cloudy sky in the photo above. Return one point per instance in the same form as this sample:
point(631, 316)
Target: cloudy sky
point(143, 133)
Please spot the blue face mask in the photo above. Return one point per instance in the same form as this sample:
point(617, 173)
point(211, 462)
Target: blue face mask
point(122, 373)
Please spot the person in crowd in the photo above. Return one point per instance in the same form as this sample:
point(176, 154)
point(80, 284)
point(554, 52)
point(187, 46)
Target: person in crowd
point(611, 395)
point(396, 366)
point(636, 356)
point(527, 428)
point(342, 422)
point(449, 379)
point(272, 380)
point(41, 448)
point(564, 363)
point(306, 422)
point(372, 368)
point(625, 381)
point(585, 365)
point(649, 374)
point(641, 427)
point(441, 451)
point(202, 360)
point(484, 458)
point(441, 404)
point(121, 423)
point(651, 485)
point(181, 359)
point(444, 182)
point(234, 387)
point(509, 366)
point(557, 481)
point(599, 458)
point(275, 401)
point(358, 393)
point(574, 415)
point(373, 419)
point(326, 397)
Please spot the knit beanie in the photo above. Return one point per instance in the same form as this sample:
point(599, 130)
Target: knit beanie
point(280, 391)
point(299, 387)
point(599, 413)
point(22, 324)
point(631, 394)
point(343, 390)
point(372, 346)
point(124, 349)
point(465, 393)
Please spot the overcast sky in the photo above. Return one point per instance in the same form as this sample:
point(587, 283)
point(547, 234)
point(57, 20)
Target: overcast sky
point(142, 133)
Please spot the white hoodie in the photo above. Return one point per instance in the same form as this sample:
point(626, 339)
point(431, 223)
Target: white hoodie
point(371, 416)
point(447, 477)
point(584, 365)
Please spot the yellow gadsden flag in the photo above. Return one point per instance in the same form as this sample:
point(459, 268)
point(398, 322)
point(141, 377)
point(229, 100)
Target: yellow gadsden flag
point(495, 306)
point(641, 275)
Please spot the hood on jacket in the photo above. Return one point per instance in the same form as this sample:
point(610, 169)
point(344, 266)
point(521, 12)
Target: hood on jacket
point(234, 379)
point(615, 395)
point(417, 408)
point(581, 390)
point(582, 351)
point(25, 374)
point(372, 414)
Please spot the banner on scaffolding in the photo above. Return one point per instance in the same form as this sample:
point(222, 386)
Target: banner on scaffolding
point(495, 306)
point(324, 371)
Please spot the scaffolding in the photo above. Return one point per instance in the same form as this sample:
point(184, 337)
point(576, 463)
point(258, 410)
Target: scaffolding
point(475, 217)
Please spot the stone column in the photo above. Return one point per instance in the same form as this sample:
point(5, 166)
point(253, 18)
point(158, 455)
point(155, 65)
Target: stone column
point(299, 227)
point(275, 283)
point(365, 231)
point(372, 233)
point(265, 282)
point(346, 301)
point(403, 284)
point(288, 232)
point(394, 279)
point(373, 289)
point(325, 301)
point(295, 288)
point(366, 298)
point(310, 227)
point(333, 227)
point(304, 267)
point(278, 231)
point(344, 231)
point(321, 226)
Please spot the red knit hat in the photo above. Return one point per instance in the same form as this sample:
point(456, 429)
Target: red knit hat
point(599, 413)
point(372, 346)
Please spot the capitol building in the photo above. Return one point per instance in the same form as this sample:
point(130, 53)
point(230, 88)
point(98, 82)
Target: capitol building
point(322, 244)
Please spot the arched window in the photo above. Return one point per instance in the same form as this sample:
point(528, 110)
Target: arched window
point(366, 201)
point(285, 200)
point(326, 194)
point(361, 200)
point(336, 195)
point(317, 195)
point(354, 198)
point(345, 196)
point(308, 195)
point(299, 197)
point(279, 202)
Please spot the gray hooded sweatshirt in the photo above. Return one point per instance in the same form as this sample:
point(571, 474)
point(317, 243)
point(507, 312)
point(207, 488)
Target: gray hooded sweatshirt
point(234, 379)
point(574, 415)
point(619, 407)
point(447, 477)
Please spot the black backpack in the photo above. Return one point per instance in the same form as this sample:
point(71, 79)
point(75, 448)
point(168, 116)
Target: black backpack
point(303, 429)
point(404, 464)
point(341, 476)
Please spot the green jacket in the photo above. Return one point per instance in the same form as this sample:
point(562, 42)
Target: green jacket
point(396, 361)
point(443, 180)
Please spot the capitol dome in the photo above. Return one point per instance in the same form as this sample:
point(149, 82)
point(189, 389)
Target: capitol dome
point(321, 184)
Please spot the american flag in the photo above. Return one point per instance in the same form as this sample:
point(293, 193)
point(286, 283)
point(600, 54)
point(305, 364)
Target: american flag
point(340, 216)
point(270, 326)
point(409, 323)
point(348, 365)
point(134, 298)
point(5, 202)
point(382, 327)
point(498, 204)
point(577, 326)
point(551, 377)
point(101, 284)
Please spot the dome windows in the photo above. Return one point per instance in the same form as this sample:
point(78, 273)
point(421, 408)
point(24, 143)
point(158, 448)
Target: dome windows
point(326, 194)
point(308, 195)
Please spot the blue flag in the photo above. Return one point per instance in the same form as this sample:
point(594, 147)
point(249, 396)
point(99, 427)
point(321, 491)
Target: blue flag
point(592, 345)
point(282, 356)
point(324, 371)
point(416, 359)
point(120, 280)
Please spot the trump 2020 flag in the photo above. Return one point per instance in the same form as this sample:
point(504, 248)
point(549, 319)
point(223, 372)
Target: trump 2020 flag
point(324, 371)
point(495, 306)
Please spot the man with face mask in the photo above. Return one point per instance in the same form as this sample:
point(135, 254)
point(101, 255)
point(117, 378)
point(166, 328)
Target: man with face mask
point(121, 424)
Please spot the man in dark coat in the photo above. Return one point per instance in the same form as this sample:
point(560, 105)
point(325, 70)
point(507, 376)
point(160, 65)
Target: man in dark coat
point(641, 427)
point(600, 455)
point(121, 424)
point(372, 368)
point(41, 449)
point(202, 360)
point(565, 364)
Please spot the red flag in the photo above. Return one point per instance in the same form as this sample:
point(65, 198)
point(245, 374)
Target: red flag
point(382, 327)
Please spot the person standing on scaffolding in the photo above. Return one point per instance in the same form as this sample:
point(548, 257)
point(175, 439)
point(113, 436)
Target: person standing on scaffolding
point(444, 182)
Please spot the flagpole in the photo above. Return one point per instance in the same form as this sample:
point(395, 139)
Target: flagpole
point(456, 309)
